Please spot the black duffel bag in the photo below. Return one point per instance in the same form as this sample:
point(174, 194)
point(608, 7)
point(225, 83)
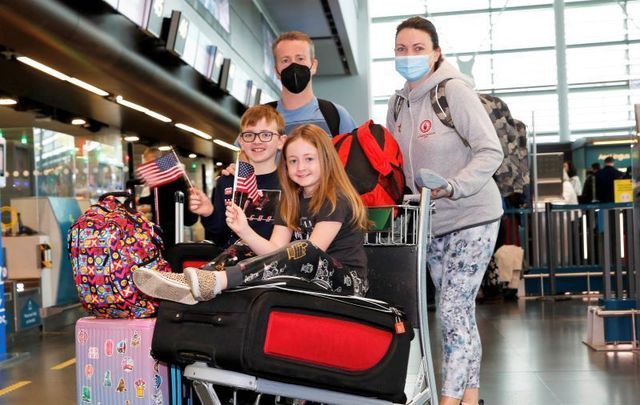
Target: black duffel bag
point(293, 335)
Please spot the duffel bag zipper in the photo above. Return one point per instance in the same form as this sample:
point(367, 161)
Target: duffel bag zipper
point(371, 303)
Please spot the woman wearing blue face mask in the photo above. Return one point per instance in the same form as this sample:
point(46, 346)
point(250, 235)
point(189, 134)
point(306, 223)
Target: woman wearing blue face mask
point(468, 207)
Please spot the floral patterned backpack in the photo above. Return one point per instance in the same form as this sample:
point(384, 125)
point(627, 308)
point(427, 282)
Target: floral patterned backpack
point(106, 245)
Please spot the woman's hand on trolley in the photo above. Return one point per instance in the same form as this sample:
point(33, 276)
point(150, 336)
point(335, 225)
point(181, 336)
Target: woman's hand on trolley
point(446, 192)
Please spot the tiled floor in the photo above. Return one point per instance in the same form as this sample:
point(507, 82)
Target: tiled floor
point(533, 354)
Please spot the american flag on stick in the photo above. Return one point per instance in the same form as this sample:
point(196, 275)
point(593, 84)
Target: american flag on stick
point(161, 171)
point(246, 181)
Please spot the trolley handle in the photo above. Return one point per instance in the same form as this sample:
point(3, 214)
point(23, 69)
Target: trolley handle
point(410, 198)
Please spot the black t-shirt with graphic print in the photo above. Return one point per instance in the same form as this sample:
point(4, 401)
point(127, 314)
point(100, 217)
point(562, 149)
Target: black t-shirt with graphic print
point(259, 215)
point(347, 246)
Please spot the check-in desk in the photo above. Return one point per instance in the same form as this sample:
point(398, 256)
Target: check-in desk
point(23, 303)
point(51, 216)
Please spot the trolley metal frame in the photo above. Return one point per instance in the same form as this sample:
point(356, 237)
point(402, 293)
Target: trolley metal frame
point(400, 232)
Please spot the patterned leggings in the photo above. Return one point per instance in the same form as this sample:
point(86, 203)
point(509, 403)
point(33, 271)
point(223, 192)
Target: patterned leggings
point(457, 262)
point(300, 258)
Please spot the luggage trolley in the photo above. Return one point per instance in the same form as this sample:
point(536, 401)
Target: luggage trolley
point(400, 237)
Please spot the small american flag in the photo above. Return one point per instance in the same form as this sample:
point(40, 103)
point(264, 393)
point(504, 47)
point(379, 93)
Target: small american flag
point(246, 181)
point(161, 171)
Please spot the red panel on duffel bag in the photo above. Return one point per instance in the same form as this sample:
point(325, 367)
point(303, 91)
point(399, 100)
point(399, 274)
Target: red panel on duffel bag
point(318, 340)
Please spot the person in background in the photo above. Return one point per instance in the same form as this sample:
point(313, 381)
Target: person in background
point(161, 203)
point(589, 189)
point(468, 208)
point(569, 171)
point(604, 179)
point(569, 195)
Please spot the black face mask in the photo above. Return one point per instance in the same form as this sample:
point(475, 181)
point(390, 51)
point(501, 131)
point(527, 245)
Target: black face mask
point(295, 77)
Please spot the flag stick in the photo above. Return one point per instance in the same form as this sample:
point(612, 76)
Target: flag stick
point(184, 173)
point(235, 179)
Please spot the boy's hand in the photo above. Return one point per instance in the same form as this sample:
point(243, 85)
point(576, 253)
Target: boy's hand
point(236, 219)
point(230, 170)
point(199, 203)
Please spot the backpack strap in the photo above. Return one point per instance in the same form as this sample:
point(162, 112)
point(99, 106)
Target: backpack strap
point(331, 115)
point(342, 143)
point(441, 108)
point(329, 112)
point(397, 107)
point(372, 150)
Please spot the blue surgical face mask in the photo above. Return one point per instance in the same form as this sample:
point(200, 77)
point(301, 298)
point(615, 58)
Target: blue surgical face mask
point(413, 67)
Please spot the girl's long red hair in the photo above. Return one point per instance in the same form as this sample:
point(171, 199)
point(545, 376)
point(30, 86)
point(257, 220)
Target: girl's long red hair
point(333, 181)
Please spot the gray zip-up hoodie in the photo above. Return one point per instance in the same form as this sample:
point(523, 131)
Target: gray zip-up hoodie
point(427, 143)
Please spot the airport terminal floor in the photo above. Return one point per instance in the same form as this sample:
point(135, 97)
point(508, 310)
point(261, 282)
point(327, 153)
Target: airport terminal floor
point(532, 355)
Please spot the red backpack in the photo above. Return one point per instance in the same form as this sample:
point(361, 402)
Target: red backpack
point(373, 162)
point(106, 245)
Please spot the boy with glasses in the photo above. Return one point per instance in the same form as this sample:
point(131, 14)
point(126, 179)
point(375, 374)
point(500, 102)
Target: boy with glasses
point(261, 137)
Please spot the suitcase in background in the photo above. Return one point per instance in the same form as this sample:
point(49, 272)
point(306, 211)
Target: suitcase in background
point(191, 254)
point(114, 363)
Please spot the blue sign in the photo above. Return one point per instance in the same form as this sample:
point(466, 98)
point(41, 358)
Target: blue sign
point(29, 314)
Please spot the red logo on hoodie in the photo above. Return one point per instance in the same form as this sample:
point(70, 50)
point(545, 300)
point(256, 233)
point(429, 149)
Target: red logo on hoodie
point(425, 126)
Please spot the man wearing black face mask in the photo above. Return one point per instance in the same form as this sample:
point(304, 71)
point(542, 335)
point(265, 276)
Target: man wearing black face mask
point(295, 65)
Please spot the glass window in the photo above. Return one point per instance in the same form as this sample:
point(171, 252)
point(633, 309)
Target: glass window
point(54, 158)
point(517, 3)
point(523, 29)
point(379, 112)
point(544, 106)
point(633, 13)
point(584, 24)
point(384, 78)
point(524, 69)
point(382, 8)
point(98, 165)
point(596, 64)
point(548, 139)
point(382, 37)
point(634, 61)
point(478, 67)
point(600, 109)
point(20, 165)
point(474, 37)
point(438, 6)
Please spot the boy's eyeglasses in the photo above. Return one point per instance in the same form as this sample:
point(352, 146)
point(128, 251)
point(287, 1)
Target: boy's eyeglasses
point(265, 136)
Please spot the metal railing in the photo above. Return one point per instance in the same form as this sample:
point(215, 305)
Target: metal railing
point(568, 247)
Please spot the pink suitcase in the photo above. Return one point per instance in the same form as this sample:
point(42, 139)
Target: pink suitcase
point(114, 363)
